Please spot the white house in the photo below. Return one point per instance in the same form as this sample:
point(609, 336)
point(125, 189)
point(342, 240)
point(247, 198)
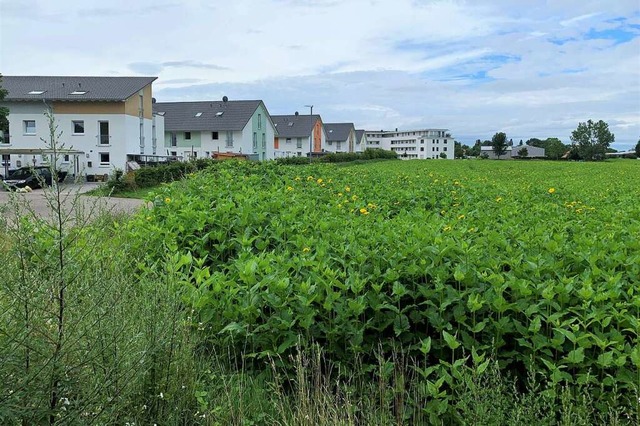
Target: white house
point(103, 122)
point(200, 129)
point(361, 140)
point(299, 134)
point(414, 144)
point(341, 137)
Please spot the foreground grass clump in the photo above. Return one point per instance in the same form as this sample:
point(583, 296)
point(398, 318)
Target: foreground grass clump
point(455, 262)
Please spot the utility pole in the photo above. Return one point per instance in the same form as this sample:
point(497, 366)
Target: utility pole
point(312, 128)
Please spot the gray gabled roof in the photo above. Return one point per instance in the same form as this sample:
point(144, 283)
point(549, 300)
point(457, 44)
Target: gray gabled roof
point(295, 126)
point(359, 135)
point(182, 116)
point(338, 131)
point(60, 88)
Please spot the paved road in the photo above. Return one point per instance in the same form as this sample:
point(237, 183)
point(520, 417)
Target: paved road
point(91, 205)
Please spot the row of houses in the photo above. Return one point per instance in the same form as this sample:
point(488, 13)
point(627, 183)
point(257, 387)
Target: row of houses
point(106, 123)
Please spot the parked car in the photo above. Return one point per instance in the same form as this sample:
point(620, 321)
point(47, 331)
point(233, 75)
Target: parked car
point(33, 177)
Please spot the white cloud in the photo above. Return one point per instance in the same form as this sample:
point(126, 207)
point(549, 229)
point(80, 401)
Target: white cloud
point(476, 67)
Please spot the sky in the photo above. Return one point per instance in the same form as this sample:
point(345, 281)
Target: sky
point(529, 68)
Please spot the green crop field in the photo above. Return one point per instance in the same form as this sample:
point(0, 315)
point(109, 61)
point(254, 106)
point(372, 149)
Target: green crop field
point(533, 264)
point(438, 282)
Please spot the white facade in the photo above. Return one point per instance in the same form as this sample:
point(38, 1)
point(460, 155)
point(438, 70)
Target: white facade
point(294, 147)
point(415, 144)
point(104, 140)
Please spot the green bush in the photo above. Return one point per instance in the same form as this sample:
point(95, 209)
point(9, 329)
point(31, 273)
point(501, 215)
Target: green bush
point(342, 157)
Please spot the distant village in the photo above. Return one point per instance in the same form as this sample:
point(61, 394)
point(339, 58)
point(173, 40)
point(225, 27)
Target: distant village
point(108, 123)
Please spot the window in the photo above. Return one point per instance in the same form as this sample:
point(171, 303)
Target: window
point(36, 92)
point(65, 158)
point(199, 114)
point(288, 140)
point(174, 139)
point(174, 153)
point(104, 159)
point(422, 148)
point(299, 143)
point(338, 146)
point(187, 136)
point(29, 127)
point(104, 137)
point(444, 148)
point(6, 159)
point(255, 141)
point(264, 141)
point(78, 92)
point(214, 136)
point(259, 121)
point(229, 143)
point(78, 127)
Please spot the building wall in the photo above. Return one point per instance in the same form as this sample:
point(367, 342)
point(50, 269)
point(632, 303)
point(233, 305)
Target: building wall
point(414, 144)
point(124, 134)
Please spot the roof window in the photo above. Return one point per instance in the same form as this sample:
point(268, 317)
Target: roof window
point(36, 92)
point(219, 113)
point(78, 92)
point(199, 114)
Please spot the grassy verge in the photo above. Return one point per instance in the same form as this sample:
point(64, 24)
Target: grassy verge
point(104, 191)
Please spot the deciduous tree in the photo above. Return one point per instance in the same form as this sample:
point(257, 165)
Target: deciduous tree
point(4, 112)
point(499, 144)
point(592, 140)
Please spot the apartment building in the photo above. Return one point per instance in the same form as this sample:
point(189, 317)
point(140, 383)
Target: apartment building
point(102, 122)
point(200, 129)
point(414, 144)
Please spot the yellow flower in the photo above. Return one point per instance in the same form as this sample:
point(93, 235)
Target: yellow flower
point(498, 199)
point(363, 211)
point(319, 181)
point(348, 189)
point(289, 188)
point(552, 190)
point(447, 228)
point(461, 217)
point(306, 250)
point(339, 194)
point(309, 177)
point(148, 217)
point(297, 177)
point(167, 200)
point(355, 197)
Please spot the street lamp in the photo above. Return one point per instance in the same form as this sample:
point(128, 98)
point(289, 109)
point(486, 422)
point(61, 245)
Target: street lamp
point(310, 136)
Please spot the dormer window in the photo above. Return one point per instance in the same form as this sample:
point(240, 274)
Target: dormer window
point(36, 92)
point(79, 92)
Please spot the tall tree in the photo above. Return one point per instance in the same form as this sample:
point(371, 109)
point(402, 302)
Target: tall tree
point(499, 144)
point(638, 149)
point(4, 112)
point(592, 140)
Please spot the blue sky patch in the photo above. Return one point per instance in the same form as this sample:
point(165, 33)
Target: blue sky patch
point(618, 35)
